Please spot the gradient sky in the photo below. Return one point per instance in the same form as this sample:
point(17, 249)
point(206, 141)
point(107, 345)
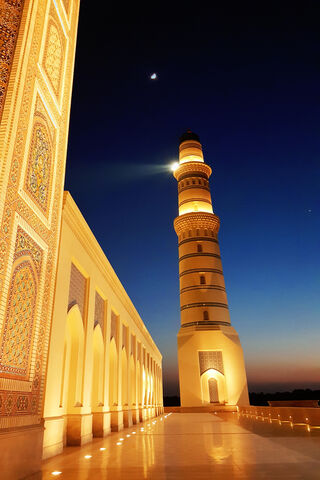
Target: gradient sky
point(248, 84)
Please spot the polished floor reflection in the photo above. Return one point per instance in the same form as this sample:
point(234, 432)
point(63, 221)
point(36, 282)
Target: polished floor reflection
point(194, 446)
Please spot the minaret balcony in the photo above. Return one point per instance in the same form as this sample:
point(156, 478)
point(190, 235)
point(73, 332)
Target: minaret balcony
point(189, 168)
point(197, 221)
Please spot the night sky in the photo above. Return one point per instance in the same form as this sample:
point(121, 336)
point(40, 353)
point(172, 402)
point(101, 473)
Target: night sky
point(248, 83)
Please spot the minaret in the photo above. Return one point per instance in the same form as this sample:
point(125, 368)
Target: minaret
point(210, 357)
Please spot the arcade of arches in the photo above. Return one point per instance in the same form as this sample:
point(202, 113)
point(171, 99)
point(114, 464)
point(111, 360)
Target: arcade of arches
point(104, 370)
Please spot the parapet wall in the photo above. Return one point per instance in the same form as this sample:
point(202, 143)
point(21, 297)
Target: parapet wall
point(303, 416)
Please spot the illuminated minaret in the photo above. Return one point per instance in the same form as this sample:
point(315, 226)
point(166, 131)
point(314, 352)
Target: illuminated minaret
point(211, 364)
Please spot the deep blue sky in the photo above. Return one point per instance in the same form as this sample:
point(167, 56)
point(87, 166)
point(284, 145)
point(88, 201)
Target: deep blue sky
point(248, 83)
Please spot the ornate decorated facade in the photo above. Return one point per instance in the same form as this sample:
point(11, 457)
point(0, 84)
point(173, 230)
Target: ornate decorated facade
point(37, 50)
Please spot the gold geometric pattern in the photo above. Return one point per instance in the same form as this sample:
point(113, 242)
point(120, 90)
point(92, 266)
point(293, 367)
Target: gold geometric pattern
point(20, 312)
point(10, 16)
point(26, 78)
point(26, 246)
point(39, 166)
point(211, 359)
point(77, 290)
point(20, 309)
point(53, 57)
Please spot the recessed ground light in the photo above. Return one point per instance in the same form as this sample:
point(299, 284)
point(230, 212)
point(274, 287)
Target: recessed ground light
point(121, 439)
point(119, 443)
point(133, 433)
point(56, 473)
point(128, 435)
point(87, 456)
point(102, 449)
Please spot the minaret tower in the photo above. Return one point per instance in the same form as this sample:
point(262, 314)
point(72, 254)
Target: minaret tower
point(211, 364)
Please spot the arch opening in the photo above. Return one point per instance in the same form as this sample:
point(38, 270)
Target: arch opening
point(132, 381)
point(113, 373)
point(213, 387)
point(124, 377)
point(97, 372)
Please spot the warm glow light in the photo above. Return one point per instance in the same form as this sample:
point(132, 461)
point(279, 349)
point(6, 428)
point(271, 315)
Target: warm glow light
point(102, 449)
point(128, 435)
point(174, 166)
point(133, 433)
point(119, 443)
point(192, 158)
point(121, 439)
point(87, 456)
point(56, 473)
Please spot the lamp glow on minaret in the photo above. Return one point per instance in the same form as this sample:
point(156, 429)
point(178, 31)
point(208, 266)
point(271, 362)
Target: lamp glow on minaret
point(174, 166)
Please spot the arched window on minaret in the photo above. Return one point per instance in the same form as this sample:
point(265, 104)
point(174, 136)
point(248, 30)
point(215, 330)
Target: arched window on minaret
point(199, 247)
point(202, 280)
point(205, 315)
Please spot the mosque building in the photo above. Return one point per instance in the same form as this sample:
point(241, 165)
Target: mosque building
point(76, 360)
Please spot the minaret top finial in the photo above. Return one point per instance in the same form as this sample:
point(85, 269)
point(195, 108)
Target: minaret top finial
point(189, 135)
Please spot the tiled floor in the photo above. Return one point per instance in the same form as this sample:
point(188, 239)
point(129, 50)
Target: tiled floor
point(194, 446)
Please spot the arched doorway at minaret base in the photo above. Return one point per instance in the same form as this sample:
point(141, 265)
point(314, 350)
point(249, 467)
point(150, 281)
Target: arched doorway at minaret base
point(213, 387)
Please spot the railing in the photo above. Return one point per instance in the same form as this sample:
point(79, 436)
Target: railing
point(294, 416)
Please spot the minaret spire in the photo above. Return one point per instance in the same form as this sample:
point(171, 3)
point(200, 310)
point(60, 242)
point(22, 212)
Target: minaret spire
point(211, 365)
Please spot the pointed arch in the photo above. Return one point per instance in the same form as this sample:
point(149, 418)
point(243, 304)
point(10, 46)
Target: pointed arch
point(218, 388)
point(124, 377)
point(71, 396)
point(144, 386)
point(132, 381)
point(139, 383)
point(113, 373)
point(97, 369)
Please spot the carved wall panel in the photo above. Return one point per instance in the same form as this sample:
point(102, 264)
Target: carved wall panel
point(10, 17)
point(20, 322)
point(211, 359)
point(77, 290)
point(37, 181)
point(99, 309)
point(53, 55)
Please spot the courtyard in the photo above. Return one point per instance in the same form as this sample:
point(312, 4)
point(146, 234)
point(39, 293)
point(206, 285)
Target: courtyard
point(194, 446)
